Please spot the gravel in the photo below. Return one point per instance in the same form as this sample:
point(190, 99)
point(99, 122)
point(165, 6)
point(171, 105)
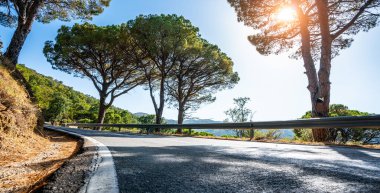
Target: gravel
point(71, 177)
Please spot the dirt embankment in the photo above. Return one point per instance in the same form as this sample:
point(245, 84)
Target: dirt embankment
point(18, 121)
point(27, 153)
point(30, 171)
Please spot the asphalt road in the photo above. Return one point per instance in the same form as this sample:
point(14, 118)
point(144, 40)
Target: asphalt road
point(183, 164)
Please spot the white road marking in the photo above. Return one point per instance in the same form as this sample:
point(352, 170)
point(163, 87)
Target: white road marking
point(103, 178)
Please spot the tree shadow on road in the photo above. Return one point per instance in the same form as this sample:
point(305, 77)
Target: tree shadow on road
point(210, 169)
point(360, 154)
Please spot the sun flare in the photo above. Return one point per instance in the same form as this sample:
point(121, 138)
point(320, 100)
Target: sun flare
point(286, 14)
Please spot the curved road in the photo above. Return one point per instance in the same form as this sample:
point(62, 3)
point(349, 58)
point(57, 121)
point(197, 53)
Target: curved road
point(182, 164)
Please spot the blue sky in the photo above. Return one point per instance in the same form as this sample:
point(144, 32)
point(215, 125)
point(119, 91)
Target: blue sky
point(275, 84)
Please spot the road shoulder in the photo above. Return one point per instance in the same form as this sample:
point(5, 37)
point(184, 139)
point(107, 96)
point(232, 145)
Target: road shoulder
point(92, 170)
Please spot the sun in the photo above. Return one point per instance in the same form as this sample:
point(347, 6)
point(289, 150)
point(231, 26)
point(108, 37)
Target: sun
point(286, 14)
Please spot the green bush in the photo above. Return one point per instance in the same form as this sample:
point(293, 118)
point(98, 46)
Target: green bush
point(202, 133)
point(303, 134)
point(168, 131)
point(196, 133)
point(341, 135)
point(229, 136)
point(85, 120)
point(272, 134)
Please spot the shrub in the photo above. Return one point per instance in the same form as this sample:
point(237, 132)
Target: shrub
point(272, 134)
point(85, 120)
point(202, 133)
point(196, 133)
point(342, 135)
point(303, 134)
point(229, 136)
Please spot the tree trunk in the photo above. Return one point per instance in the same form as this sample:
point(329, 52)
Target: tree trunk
point(251, 134)
point(159, 115)
point(24, 25)
point(160, 109)
point(181, 113)
point(323, 99)
point(13, 51)
point(102, 111)
point(318, 103)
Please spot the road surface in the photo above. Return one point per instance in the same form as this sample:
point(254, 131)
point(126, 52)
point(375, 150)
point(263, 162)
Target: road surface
point(183, 164)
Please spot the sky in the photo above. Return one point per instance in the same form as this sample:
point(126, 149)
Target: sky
point(275, 83)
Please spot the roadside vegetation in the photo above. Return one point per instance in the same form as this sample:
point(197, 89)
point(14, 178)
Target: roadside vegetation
point(62, 104)
point(239, 114)
point(342, 135)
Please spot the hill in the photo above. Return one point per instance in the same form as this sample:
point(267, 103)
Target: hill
point(60, 103)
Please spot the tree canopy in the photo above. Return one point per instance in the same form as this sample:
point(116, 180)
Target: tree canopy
point(201, 70)
point(344, 19)
point(317, 32)
point(21, 14)
point(161, 39)
point(101, 54)
point(180, 66)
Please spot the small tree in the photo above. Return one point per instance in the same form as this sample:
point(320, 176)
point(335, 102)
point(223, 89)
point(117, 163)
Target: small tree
point(240, 113)
point(58, 110)
point(316, 30)
point(21, 14)
point(202, 70)
point(147, 119)
point(102, 54)
point(113, 116)
point(160, 39)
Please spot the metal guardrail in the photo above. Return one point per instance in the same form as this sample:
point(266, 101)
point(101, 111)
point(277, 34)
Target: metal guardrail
point(372, 121)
